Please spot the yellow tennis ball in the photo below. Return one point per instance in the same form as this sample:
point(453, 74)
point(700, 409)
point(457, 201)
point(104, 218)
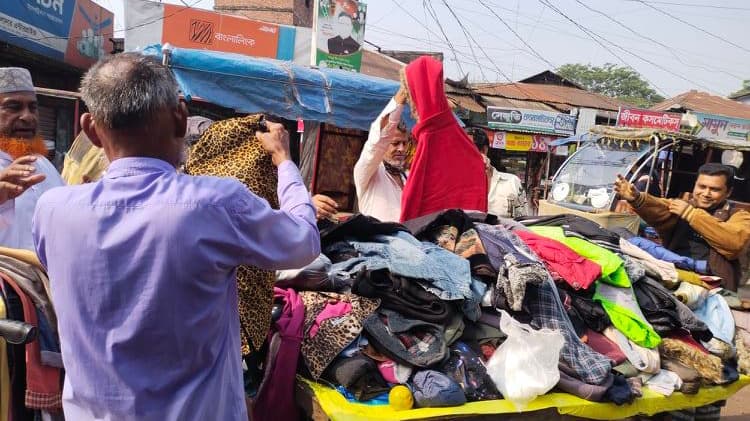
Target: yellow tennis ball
point(400, 398)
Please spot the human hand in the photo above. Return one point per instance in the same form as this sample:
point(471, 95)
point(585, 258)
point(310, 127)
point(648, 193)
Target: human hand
point(625, 189)
point(401, 96)
point(678, 207)
point(275, 142)
point(17, 177)
point(325, 207)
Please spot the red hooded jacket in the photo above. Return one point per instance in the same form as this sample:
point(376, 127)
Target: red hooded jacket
point(447, 171)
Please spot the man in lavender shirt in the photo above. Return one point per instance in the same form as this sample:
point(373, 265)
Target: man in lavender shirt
point(142, 263)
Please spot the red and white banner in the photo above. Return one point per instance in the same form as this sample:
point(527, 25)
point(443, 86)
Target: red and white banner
point(636, 117)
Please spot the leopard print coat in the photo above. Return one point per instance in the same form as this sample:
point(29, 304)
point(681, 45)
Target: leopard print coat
point(229, 148)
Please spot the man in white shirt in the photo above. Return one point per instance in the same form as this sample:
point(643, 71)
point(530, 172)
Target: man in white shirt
point(379, 174)
point(506, 197)
point(24, 171)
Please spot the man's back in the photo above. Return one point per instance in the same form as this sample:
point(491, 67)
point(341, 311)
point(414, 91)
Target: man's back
point(146, 261)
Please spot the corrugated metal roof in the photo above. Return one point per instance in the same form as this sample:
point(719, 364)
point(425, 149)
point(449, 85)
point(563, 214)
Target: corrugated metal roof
point(466, 102)
point(705, 103)
point(380, 65)
point(560, 97)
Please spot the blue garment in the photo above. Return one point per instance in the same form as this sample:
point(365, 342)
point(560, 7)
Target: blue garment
point(439, 271)
point(142, 272)
point(49, 344)
point(472, 307)
point(717, 315)
point(662, 253)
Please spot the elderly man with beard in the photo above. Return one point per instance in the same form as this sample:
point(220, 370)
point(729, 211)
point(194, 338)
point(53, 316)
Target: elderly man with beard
point(26, 173)
point(379, 174)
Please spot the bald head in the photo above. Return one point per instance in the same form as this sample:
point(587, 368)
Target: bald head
point(128, 91)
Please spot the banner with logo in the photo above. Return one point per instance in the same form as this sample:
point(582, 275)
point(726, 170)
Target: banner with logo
point(637, 117)
point(76, 32)
point(531, 120)
point(713, 126)
point(150, 23)
point(338, 34)
point(520, 142)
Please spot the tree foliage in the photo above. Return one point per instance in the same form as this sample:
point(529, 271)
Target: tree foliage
point(745, 88)
point(613, 81)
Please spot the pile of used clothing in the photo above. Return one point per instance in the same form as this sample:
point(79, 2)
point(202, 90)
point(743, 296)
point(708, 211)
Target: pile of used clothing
point(418, 305)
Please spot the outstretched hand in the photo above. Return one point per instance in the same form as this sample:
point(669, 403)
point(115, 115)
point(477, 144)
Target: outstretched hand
point(626, 189)
point(16, 178)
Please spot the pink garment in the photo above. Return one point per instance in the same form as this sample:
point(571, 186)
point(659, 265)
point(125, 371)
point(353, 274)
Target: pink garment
point(275, 398)
point(331, 311)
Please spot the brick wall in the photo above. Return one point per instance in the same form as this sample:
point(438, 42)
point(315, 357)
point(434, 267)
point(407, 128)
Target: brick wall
point(287, 12)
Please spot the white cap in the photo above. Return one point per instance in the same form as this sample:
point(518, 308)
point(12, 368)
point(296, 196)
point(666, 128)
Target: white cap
point(15, 79)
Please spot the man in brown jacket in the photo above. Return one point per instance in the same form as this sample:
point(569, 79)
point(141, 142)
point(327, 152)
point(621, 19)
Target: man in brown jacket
point(706, 227)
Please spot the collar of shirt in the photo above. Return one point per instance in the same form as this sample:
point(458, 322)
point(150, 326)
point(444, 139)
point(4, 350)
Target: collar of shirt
point(124, 167)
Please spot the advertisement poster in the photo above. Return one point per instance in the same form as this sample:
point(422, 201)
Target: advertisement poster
point(188, 27)
point(636, 117)
point(713, 126)
point(339, 33)
point(76, 32)
point(531, 120)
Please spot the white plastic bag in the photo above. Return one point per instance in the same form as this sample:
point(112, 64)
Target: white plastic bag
point(525, 365)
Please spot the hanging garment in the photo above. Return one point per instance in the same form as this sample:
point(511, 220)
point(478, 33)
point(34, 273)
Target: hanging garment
point(447, 171)
point(576, 270)
point(613, 271)
point(43, 383)
point(229, 148)
point(334, 335)
point(275, 399)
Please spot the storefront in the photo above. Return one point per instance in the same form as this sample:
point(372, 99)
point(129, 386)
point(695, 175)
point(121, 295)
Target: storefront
point(520, 144)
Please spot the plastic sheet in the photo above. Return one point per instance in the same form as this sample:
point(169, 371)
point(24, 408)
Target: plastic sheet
point(337, 408)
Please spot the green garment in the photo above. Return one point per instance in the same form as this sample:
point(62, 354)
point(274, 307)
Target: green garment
point(613, 270)
point(632, 325)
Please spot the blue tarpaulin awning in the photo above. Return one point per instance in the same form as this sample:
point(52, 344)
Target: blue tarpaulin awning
point(259, 85)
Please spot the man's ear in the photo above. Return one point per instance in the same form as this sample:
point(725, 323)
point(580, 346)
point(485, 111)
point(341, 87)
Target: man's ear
point(88, 125)
point(180, 120)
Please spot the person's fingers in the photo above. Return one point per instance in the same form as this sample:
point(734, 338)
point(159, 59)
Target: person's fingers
point(13, 173)
point(26, 159)
point(32, 180)
point(274, 127)
point(328, 201)
point(10, 187)
point(326, 208)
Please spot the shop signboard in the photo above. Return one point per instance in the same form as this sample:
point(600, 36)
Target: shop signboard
point(713, 126)
point(637, 117)
point(188, 27)
point(338, 34)
point(76, 32)
point(512, 141)
point(531, 120)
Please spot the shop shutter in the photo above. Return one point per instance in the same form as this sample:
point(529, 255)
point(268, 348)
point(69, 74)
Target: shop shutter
point(47, 123)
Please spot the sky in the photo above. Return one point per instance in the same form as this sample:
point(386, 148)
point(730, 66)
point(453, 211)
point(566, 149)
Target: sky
point(676, 45)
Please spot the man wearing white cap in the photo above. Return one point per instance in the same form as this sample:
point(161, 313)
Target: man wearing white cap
point(24, 171)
